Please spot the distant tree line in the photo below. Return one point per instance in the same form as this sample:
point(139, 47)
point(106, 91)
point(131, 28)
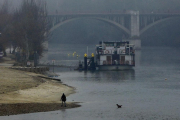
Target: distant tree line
point(25, 29)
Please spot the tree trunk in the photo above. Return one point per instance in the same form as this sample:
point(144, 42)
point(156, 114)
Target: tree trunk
point(4, 51)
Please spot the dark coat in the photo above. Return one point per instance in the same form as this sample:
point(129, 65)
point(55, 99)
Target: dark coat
point(63, 97)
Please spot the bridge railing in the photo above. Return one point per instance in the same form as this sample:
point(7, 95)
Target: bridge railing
point(115, 12)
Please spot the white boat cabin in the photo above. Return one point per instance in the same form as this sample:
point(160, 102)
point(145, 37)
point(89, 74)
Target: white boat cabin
point(115, 53)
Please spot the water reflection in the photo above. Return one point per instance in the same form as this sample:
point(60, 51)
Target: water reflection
point(117, 75)
point(137, 57)
point(109, 75)
point(64, 113)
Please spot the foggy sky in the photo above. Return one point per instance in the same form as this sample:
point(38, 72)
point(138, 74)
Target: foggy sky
point(106, 5)
point(113, 5)
point(88, 30)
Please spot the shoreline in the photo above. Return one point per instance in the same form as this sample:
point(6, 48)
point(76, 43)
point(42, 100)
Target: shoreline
point(24, 92)
point(25, 108)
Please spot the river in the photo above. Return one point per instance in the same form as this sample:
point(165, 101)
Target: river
point(151, 91)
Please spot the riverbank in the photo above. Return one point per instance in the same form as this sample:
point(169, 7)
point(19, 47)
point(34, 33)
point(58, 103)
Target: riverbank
point(25, 92)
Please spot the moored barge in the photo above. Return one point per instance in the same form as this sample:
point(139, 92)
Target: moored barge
point(115, 56)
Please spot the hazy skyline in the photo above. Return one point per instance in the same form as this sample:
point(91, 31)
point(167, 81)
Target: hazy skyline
point(87, 29)
point(113, 5)
point(106, 5)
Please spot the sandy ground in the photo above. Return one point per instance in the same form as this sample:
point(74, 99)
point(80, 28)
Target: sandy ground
point(24, 92)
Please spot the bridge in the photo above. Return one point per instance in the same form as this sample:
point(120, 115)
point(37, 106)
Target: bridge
point(132, 23)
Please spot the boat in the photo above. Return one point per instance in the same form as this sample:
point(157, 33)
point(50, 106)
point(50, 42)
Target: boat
point(115, 55)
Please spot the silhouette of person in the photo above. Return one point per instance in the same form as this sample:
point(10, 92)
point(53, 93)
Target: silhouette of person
point(63, 99)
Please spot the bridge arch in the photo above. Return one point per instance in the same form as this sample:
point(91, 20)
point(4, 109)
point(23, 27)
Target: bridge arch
point(117, 25)
point(155, 23)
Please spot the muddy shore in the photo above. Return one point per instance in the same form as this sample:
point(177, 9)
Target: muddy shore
point(25, 92)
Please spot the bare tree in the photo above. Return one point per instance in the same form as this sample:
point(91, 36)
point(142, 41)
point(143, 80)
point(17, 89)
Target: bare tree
point(30, 27)
point(5, 20)
point(17, 31)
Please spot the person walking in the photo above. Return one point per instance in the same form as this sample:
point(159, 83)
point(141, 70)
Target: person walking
point(63, 99)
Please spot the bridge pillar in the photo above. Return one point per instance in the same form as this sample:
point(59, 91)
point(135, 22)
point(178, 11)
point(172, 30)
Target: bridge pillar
point(134, 29)
point(134, 25)
point(136, 42)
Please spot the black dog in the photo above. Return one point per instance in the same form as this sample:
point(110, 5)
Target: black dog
point(119, 106)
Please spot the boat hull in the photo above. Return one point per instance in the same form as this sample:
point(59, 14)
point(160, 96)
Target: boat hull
point(114, 67)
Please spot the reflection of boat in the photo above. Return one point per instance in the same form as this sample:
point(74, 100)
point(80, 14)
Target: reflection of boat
point(115, 56)
point(120, 75)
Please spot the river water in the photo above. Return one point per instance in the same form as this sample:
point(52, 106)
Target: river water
point(151, 91)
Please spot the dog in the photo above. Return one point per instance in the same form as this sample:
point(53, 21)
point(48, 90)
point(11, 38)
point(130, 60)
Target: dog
point(119, 106)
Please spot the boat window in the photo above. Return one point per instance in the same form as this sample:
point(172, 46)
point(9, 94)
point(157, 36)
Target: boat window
point(122, 44)
point(109, 44)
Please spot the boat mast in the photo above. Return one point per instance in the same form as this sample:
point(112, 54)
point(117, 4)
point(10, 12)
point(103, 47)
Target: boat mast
point(87, 50)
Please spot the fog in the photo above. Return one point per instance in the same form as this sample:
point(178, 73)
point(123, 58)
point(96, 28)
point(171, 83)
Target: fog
point(106, 5)
point(87, 30)
point(114, 5)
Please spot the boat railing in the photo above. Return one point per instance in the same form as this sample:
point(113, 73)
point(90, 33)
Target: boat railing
point(102, 52)
point(105, 52)
point(115, 62)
